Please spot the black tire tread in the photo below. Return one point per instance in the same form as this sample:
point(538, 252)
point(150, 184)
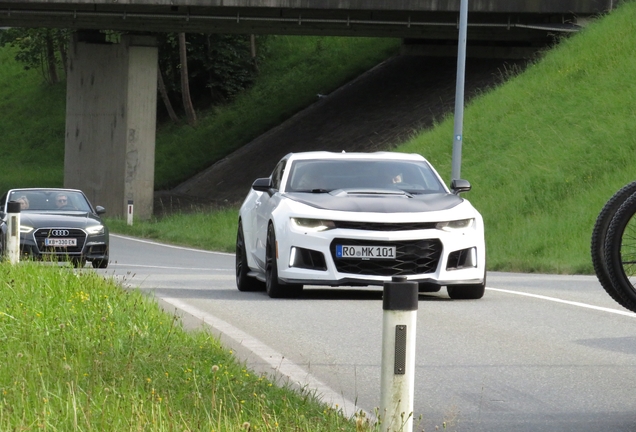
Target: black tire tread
point(244, 282)
point(599, 234)
point(613, 254)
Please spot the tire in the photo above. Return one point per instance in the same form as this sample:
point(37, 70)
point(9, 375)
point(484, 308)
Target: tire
point(243, 281)
point(468, 291)
point(100, 264)
point(274, 288)
point(78, 262)
point(425, 287)
point(620, 253)
point(599, 234)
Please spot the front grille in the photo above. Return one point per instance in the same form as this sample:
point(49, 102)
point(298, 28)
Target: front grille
point(44, 233)
point(381, 226)
point(412, 257)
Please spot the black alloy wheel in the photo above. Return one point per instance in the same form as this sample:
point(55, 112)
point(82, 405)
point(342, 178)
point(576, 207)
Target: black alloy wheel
point(100, 264)
point(243, 281)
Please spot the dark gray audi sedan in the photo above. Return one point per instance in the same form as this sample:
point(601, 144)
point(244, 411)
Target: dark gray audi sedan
point(59, 225)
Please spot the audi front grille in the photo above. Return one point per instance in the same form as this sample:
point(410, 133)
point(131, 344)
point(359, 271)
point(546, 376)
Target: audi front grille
point(412, 257)
point(43, 233)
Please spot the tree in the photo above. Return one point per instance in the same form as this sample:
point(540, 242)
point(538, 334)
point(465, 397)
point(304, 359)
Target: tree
point(191, 115)
point(39, 48)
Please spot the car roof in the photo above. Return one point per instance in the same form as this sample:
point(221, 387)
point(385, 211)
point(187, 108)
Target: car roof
point(355, 155)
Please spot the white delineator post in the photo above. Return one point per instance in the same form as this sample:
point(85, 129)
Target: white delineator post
point(13, 231)
point(129, 213)
point(399, 321)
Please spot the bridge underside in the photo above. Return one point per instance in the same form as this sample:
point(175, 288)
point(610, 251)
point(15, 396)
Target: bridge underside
point(495, 20)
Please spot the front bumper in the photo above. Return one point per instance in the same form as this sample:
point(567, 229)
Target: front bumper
point(431, 256)
point(91, 247)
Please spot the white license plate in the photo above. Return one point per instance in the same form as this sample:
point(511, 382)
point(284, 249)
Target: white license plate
point(60, 242)
point(365, 252)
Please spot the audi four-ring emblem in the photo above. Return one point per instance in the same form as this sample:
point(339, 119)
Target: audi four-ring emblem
point(59, 233)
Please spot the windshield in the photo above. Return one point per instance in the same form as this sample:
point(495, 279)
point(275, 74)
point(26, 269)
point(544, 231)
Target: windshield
point(50, 200)
point(326, 175)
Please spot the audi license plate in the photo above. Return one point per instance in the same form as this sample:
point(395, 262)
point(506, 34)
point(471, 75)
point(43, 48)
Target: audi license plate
point(60, 242)
point(365, 252)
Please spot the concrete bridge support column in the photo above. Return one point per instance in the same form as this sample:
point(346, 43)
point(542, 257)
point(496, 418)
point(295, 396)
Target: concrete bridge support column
point(111, 104)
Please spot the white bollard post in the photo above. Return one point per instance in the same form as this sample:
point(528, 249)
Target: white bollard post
point(13, 231)
point(130, 212)
point(399, 321)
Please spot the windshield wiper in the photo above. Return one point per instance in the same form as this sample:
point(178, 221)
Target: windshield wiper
point(313, 191)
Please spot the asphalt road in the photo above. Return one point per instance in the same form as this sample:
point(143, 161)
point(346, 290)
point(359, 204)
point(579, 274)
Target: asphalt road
point(537, 353)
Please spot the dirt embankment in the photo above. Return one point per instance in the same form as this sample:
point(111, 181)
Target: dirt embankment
point(376, 111)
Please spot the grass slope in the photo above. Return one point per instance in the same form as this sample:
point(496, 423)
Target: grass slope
point(82, 354)
point(545, 151)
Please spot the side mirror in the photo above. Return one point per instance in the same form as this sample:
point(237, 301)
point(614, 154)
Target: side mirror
point(458, 186)
point(262, 184)
point(100, 210)
point(3, 215)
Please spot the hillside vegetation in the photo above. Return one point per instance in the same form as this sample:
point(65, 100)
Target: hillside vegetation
point(544, 151)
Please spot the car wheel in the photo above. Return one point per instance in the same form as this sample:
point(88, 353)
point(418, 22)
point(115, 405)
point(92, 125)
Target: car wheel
point(599, 235)
point(78, 262)
point(620, 253)
point(425, 287)
point(243, 281)
point(100, 264)
point(272, 285)
point(467, 291)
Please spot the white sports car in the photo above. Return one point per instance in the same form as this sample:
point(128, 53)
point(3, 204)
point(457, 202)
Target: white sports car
point(358, 219)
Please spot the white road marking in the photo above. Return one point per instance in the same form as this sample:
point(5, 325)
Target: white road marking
point(568, 302)
point(170, 246)
point(170, 268)
point(274, 359)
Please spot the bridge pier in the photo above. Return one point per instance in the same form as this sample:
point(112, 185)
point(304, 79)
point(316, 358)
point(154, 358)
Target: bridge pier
point(111, 103)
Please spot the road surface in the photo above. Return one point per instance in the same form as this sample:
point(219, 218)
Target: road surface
point(537, 353)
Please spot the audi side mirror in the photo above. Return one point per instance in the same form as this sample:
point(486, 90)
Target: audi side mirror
point(100, 210)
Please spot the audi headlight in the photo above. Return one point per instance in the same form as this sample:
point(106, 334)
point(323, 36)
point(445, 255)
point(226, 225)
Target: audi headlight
point(97, 229)
point(315, 225)
point(455, 225)
point(25, 229)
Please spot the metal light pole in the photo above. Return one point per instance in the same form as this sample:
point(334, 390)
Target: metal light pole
point(459, 91)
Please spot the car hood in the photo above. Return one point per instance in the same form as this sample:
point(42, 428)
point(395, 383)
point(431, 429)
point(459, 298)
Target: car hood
point(377, 201)
point(67, 220)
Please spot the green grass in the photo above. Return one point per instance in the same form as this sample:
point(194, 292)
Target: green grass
point(80, 353)
point(546, 150)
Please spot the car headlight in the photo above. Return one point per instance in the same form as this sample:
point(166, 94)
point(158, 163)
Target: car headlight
point(312, 224)
point(25, 229)
point(97, 229)
point(455, 225)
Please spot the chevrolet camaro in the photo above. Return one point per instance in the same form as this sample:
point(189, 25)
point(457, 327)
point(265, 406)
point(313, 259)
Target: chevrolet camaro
point(358, 219)
point(59, 225)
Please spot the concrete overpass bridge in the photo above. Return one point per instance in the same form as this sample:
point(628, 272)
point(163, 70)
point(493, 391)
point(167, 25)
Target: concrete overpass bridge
point(111, 88)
